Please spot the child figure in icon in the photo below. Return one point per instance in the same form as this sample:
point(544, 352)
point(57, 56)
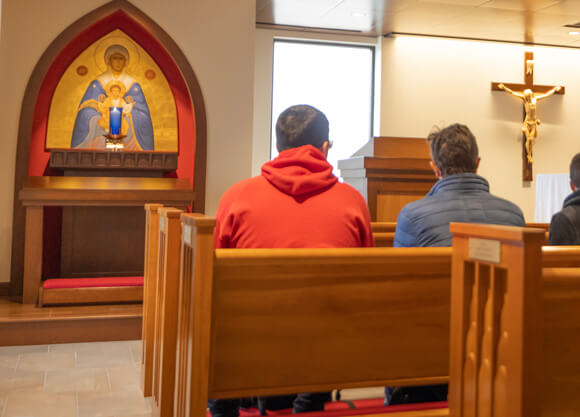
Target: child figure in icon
point(116, 98)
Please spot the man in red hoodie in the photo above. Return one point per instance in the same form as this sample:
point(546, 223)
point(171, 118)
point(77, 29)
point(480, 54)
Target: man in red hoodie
point(296, 203)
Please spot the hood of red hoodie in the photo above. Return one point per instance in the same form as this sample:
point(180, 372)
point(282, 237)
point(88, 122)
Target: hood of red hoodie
point(300, 171)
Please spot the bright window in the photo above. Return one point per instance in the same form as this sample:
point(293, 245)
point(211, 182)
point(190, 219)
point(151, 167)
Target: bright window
point(338, 79)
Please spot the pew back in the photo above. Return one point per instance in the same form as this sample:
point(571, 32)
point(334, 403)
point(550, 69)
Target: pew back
point(295, 320)
point(560, 354)
point(290, 320)
point(515, 325)
point(544, 226)
point(384, 233)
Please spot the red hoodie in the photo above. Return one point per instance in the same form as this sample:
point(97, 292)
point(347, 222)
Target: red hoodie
point(296, 203)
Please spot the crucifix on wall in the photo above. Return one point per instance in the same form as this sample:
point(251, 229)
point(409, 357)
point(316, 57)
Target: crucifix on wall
point(529, 94)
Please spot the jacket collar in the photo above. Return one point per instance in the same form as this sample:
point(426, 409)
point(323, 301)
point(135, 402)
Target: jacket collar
point(572, 199)
point(460, 182)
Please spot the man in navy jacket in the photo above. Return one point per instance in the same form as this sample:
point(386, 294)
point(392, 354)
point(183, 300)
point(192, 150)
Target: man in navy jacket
point(460, 195)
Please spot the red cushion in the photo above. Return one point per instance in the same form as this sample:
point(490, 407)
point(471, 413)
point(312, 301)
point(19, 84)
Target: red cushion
point(342, 409)
point(93, 282)
point(363, 403)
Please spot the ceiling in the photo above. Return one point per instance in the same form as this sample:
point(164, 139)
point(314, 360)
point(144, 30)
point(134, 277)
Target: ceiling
point(530, 21)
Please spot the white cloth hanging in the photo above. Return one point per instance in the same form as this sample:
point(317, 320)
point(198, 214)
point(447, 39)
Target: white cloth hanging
point(551, 190)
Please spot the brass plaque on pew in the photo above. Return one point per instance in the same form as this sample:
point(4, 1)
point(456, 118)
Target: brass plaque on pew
point(485, 250)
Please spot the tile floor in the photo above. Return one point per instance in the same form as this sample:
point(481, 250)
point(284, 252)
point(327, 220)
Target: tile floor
point(82, 380)
point(72, 380)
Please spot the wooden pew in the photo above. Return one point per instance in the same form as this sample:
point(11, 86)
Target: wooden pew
point(194, 313)
point(166, 311)
point(275, 321)
point(150, 275)
point(384, 232)
point(514, 327)
point(398, 274)
point(544, 226)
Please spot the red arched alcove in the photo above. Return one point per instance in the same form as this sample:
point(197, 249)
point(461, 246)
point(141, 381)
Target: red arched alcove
point(32, 157)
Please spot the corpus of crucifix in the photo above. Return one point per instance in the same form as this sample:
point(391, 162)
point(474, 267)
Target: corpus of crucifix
point(529, 94)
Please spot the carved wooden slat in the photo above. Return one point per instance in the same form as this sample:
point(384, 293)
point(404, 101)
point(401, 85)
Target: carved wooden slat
point(182, 382)
point(496, 301)
point(158, 317)
point(149, 295)
point(167, 311)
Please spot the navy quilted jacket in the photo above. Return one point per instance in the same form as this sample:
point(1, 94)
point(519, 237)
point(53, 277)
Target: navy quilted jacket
point(463, 198)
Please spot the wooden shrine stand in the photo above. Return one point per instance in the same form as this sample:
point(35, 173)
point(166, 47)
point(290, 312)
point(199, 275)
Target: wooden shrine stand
point(102, 220)
point(390, 173)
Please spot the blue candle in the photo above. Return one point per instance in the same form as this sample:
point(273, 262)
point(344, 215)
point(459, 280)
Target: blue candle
point(115, 115)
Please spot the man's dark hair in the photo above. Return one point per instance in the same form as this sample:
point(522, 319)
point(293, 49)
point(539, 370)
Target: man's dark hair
point(301, 125)
point(575, 171)
point(454, 150)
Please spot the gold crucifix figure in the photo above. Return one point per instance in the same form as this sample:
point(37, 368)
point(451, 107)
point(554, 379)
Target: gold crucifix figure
point(529, 94)
point(531, 121)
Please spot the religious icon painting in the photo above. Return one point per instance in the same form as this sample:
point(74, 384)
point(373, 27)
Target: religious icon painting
point(113, 86)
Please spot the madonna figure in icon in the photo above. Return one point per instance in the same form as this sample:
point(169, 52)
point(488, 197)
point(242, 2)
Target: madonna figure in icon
point(114, 88)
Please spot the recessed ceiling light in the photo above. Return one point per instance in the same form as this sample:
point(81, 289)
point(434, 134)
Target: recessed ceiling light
point(358, 14)
point(574, 33)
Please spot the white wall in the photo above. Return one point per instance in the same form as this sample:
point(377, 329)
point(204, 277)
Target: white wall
point(217, 36)
point(263, 83)
point(430, 81)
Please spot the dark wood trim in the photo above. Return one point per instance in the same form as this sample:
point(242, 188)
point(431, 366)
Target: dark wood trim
point(28, 105)
point(4, 289)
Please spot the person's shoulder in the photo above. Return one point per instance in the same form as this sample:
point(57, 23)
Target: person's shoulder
point(344, 187)
point(409, 217)
point(244, 185)
point(506, 204)
point(240, 191)
point(505, 211)
point(348, 191)
point(562, 229)
point(558, 216)
point(571, 213)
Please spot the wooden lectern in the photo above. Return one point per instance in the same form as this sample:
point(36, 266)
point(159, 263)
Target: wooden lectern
point(389, 172)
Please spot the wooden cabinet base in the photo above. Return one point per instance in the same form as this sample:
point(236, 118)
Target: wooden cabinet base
point(91, 295)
